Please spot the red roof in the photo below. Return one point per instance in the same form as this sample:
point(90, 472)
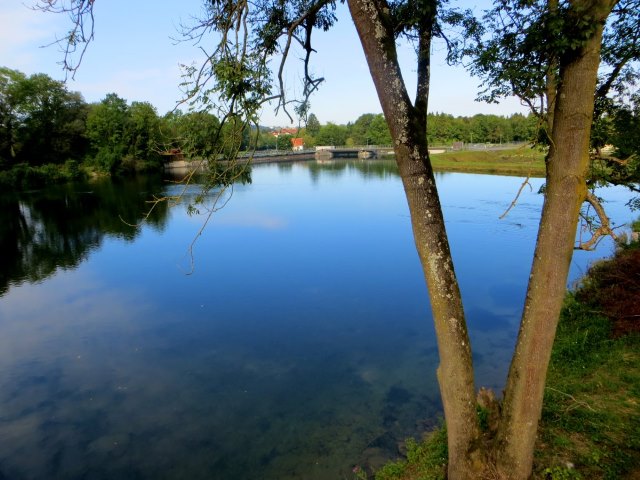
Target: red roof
point(285, 131)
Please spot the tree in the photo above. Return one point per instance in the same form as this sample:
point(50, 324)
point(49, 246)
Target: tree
point(40, 120)
point(283, 142)
point(197, 134)
point(106, 125)
point(331, 134)
point(9, 102)
point(571, 32)
point(378, 132)
point(549, 50)
point(142, 133)
point(360, 129)
point(313, 125)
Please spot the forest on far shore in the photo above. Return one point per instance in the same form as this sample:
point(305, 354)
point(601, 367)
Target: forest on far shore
point(48, 133)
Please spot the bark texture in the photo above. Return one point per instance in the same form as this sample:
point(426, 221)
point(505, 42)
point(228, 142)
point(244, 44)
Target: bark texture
point(407, 124)
point(567, 168)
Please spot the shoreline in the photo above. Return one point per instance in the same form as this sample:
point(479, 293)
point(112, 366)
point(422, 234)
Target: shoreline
point(517, 162)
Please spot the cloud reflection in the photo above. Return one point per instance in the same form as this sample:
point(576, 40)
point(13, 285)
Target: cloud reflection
point(253, 220)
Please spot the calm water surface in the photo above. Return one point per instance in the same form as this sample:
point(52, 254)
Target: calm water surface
point(300, 345)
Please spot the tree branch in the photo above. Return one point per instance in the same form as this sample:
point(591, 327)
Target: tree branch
point(515, 200)
point(81, 33)
point(603, 230)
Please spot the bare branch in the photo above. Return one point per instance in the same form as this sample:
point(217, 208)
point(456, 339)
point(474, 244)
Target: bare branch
point(75, 43)
point(515, 200)
point(576, 402)
point(603, 230)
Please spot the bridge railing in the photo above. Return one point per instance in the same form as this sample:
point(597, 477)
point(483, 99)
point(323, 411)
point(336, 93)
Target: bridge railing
point(353, 147)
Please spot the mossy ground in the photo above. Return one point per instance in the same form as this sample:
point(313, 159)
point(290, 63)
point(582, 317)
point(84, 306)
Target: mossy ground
point(590, 427)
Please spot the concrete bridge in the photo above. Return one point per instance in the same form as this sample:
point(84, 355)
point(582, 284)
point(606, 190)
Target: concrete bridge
point(329, 152)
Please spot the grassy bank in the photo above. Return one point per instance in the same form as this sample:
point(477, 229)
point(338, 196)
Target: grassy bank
point(23, 176)
point(520, 161)
point(590, 427)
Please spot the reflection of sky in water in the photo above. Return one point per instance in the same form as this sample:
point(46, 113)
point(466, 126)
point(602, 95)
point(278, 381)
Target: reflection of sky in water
point(300, 346)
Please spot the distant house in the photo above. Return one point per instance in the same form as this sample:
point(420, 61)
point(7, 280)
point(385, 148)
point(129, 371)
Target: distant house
point(173, 155)
point(285, 131)
point(297, 144)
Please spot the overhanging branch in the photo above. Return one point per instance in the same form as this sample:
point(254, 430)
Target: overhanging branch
point(602, 231)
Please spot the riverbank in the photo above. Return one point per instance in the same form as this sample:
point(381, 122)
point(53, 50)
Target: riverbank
point(590, 426)
point(523, 161)
point(24, 176)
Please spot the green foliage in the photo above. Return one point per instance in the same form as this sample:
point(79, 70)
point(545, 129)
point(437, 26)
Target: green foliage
point(626, 131)
point(106, 125)
point(197, 134)
point(524, 44)
point(378, 132)
point(42, 125)
point(41, 122)
point(442, 129)
point(445, 129)
point(142, 132)
point(266, 141)
point(619, 127)
point(425, 460)
point(313, 125)
point(483, 418)
point(561, 473)
point(526, 41)
point(25, 176)
point(332, 134)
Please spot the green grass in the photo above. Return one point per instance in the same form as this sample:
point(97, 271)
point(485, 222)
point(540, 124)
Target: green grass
point(519, 161)
point(23, 176)
point(426, 460)
point(591, 414)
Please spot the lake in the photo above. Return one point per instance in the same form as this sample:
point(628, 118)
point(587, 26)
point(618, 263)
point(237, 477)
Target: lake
point(295, 343)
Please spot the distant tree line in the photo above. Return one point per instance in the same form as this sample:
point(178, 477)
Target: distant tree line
point(48, 133)
point(442, 129)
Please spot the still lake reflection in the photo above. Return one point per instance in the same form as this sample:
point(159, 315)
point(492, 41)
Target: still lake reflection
point(300, 346)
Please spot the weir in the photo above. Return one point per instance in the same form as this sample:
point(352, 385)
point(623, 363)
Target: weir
point(328, 153)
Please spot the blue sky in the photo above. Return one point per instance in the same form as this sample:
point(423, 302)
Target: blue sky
point(134, 56)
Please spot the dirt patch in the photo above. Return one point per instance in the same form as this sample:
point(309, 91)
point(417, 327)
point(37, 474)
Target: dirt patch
point(613, 287)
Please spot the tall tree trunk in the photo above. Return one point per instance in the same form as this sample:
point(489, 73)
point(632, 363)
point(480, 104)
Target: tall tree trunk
point(408, 130)
point(567, 167)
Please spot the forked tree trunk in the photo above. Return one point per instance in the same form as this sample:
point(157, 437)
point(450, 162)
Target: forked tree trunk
point(567, 168)
point(408, 131)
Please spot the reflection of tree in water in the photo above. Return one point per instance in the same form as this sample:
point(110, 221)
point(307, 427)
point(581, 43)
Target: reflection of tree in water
point(367, 168)
point(43, 231)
